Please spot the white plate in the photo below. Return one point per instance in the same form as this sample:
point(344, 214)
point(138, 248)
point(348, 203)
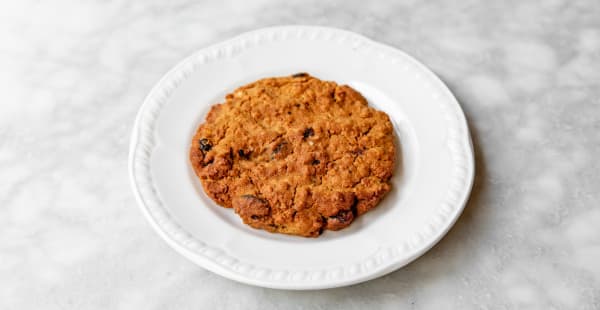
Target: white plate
point(430, 185)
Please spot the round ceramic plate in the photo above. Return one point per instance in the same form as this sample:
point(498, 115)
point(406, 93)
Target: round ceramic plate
point(431, 182)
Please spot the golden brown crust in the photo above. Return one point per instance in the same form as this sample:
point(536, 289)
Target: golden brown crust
point(295, 155)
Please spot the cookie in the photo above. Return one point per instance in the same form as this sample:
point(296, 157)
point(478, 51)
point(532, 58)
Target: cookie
point(295, 155)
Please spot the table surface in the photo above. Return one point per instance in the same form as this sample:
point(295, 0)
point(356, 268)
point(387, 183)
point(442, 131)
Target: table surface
point(74, 74)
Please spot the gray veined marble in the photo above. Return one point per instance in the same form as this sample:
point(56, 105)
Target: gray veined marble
point(74, 73)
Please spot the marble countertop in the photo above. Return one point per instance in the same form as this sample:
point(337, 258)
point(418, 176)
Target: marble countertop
point(74, 73)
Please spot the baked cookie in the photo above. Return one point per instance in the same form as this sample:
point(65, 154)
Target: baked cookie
point(295, 155)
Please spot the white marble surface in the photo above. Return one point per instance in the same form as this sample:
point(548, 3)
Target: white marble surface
point(73, 74)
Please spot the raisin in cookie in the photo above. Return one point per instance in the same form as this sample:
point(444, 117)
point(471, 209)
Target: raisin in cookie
point(295, 155)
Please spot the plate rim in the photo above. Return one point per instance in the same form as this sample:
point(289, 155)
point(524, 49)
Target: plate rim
point(460, 145)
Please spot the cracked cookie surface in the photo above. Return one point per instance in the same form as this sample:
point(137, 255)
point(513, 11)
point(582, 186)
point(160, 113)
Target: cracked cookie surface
point(295, 155)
